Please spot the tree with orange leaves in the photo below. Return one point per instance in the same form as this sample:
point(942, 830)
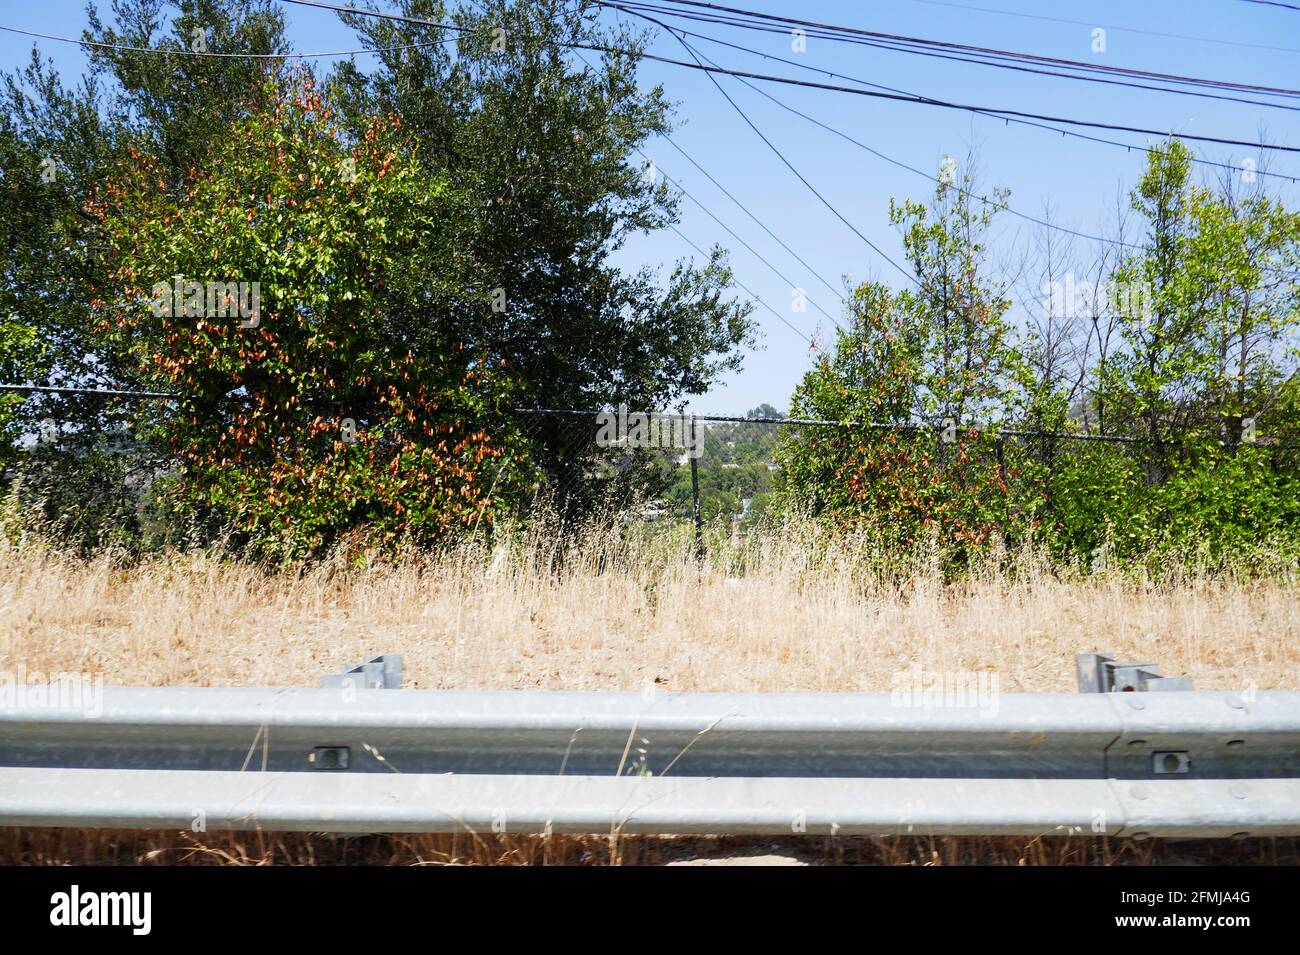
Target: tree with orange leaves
point(284, 291)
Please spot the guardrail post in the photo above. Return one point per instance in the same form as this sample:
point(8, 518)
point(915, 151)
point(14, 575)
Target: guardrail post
point(1100, 673)
point(383, 672)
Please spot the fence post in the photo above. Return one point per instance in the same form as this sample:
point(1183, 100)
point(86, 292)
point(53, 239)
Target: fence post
point(1001, 450)
point(695, 493)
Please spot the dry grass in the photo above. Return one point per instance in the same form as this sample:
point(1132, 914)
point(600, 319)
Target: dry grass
point(110, 847)
point(782, 612)
point(785, 610)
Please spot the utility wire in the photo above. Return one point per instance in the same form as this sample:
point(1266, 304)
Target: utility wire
point(456, 28)
point(922, 100)
point(182, 52)
point(752, 250)
point(1274, 3)
point(1128, 147)
point(935, 179)
point(1116, 29)
point(875, 248)
point(734, 235)
point(740, 285)
point(875, 152)
point(789, 165)
point(1001, 206)
point(762, 225)
point(955, 56)
point(178, 51)
point(834, 291)
point(752, 15)
point(811, 188)
point(736, 282)
point(709, 70)
point(998, 112)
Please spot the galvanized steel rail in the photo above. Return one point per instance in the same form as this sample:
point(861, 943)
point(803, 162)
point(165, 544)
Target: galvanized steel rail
point(363, 760)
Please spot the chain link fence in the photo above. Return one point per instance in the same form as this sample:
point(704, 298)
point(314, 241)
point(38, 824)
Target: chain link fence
point(729, 471)
point(701, 470)
point(663, 466)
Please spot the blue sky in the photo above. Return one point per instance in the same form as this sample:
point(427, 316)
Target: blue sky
point(1079, 179)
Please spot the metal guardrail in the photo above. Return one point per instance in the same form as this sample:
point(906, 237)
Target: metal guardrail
point(354, 759)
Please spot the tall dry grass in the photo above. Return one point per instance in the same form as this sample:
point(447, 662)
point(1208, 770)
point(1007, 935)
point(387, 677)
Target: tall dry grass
point(125, 847)
point(622, 607)
point(625, 606)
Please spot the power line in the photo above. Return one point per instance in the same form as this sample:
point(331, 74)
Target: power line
point(1275, 3)
point(1128, 147)
point(923, 42)
point(998, 205)
point(911, 277)
point(998, 112)
point(1003, 206)
point(902, 165)
point(1117, 29)
point(751, 249)
point(87, 392)
point(811, 188)
point(738, 74)
point(880, 252)
point(713, 67)
point(177, 51)
point(1119, 243)
point(953, 55)
point(740, 285)
point(789, 165)
point(745, 209)
point(761, 224)
point(922, 100)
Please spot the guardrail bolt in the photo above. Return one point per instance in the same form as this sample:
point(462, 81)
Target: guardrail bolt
point(1166, 764)
point(330, 757)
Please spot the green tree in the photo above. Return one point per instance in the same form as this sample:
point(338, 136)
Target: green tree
point(916, 364)
point(550, 142)
point(51, 142)
point(20, 354)
point(1214, 311)
point(57, 144)
point(339, 402)
point(543, 146)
